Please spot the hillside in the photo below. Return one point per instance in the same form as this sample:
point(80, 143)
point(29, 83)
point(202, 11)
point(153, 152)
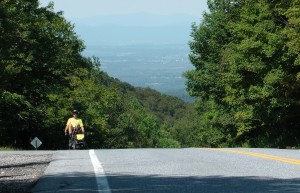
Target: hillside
point(166, 108)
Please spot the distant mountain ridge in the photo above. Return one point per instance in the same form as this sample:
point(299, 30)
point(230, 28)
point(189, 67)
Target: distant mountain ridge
point(139, 19)
point(135, 29)
point(126, 35)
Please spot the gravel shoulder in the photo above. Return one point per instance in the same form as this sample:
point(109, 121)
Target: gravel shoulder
point(20, 170)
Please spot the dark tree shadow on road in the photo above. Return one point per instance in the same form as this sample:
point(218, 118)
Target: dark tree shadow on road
point(82, 182)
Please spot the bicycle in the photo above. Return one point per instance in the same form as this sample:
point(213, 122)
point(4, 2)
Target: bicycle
point(77, 139)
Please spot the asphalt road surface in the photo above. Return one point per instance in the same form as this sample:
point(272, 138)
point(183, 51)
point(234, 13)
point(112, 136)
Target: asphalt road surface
point(189, 170)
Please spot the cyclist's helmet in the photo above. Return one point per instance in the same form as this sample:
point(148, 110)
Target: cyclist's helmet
point(75, 111)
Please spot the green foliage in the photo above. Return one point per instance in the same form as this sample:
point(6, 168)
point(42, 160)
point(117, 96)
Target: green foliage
point(246, 55)
point(9, 149)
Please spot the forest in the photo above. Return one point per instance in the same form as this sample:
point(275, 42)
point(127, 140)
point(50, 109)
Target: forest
point(246, 82)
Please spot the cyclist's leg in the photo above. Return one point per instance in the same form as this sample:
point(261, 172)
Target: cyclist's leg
point(70, 129)
point(72, 137)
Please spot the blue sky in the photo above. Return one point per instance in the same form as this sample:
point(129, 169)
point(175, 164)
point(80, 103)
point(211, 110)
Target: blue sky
point(74, 9)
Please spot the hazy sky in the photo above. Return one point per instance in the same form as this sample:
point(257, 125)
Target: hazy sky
point(94, 19)
point(74, 9)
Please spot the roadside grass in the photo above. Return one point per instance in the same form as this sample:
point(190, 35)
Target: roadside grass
point(8, 149)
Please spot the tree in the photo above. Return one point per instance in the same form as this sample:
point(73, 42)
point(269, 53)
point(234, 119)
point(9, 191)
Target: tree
point(249, 76)
point(262, 65)
point(206, 81)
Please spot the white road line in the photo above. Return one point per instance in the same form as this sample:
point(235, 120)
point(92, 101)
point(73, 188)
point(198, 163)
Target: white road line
point(100, 174)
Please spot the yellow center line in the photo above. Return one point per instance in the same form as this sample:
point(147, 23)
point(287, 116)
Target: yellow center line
point(265, 156)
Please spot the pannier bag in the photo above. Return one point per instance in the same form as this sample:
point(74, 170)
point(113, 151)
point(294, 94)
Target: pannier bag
point(79, 136)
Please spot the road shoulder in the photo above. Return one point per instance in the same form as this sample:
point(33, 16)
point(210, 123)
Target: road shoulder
point(69, 171)
point(20, 170)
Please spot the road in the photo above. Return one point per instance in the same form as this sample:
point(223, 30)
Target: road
point(173, 171)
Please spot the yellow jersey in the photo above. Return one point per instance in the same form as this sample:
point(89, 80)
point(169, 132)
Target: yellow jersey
point(74, 122)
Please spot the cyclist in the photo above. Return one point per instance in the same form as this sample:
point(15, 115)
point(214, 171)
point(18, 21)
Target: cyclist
point(73, 123)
